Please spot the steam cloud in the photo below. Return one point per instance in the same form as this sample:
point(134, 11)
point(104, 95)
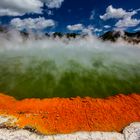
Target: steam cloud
point(84, 66)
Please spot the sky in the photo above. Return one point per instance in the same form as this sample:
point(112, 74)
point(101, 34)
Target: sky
point(96, 16)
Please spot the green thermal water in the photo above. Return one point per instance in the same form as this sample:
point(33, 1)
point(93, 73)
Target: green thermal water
point(24, 77)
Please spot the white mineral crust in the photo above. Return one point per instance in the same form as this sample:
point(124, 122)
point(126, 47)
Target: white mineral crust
point(132, 132)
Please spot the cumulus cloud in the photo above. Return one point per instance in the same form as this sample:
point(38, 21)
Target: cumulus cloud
point(75, 27)
point(127, 22)
point(112, 12)
point(53, 3)
point(30, 24)
point(124, 17)
point(20, 7)
point(88, 30)
point(80, 27)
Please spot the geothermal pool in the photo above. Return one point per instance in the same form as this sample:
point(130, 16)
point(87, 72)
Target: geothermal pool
point(57, 88)
point(53, 67)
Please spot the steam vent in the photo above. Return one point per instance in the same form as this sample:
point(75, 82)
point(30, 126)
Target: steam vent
point(71, 118)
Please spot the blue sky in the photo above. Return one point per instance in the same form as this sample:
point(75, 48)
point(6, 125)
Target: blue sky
point(71, 15)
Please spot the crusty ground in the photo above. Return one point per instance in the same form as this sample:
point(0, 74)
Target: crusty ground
point(67, 115)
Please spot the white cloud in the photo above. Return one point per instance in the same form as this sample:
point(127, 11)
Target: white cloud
point(97, 30)
point(81, 28)
point(53, 3)
point(49, 12)
point(124, 17)
point(20, 7)
point(107, 26)
point(88, 30)
point(112, 12)
point(127, 22)
point(76, 27)
point(30, 24)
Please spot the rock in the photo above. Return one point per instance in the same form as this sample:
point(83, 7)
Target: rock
point(132, 132)
point(26, 135)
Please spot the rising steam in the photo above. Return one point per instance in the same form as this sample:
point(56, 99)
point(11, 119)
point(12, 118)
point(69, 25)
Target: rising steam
point(85, 66)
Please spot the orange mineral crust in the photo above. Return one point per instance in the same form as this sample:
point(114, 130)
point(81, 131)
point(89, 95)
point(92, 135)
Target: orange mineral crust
point(67, 115)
